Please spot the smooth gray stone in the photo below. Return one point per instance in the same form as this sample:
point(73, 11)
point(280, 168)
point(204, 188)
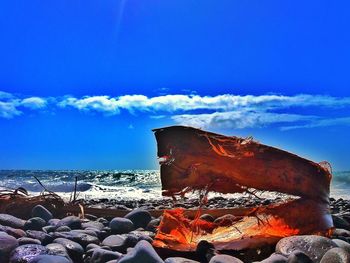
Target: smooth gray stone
point(179, 260)
point(49, 229)
point(313, 246)
point(24, 253)
point(99, 255)
point(275, 258)
point(336, 255)
point(120, 225)
point(35, 223)
point(49, 259)
point(142, 252)
point(63, 229)
point(12, 221)
point(71, 221)
point(92, 246)
point(57, 250)
point(139, 217)
point(93, 224)
point(339, 232)
point(40, 235)
point(15, 232)
point(341, 243)
point(28, 240)
point(42, 212)
point(81, 238)
point(224, 259)
point(74, 249)
point(7, 244)
point(115, 242)
point(299, 257)
point(53, 221)
point(340, 222)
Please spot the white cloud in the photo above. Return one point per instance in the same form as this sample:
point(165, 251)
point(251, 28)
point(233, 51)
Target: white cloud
point(8, 110)
point(34, 103)
point(238, 119)
point(345, 121)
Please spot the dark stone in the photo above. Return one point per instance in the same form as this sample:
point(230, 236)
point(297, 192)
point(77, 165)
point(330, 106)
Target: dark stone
point(71, 221)
point(121, 225)
point(338, 222)
point(57, 250)
point(115, 242)
point(139, 217)
point(28, 240)
point(93, 224)
point(224, 259)
point(40, 235)
point(9, 220)
point(49, 229)
point(49, 259)
point(53, 221)
point(225, 220)
point(205, 250)
point(35, 223)
point(275, 258)
point(179, 260)
point(24, 253)
point(15, 232)
point(81, 238)
point(99, 255)
point(207, 217)
point(339, 232)
point(142, 252)
point(313, 246)
point(74, 249)
point(91, 246)
point(42, 212)
point(342, 244)
point(153, 224)
point(63, 229)
point(299, 257)
point(7, 244)
point(336, 255)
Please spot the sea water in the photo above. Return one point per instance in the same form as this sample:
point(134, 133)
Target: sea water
point(117, 184)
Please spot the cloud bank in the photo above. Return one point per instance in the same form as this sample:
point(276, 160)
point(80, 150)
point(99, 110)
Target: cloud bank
point(221, 111)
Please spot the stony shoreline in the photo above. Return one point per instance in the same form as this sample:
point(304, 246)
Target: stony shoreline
point(44, 239)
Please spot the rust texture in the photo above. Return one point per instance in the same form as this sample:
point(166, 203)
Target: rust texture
point(193, 159)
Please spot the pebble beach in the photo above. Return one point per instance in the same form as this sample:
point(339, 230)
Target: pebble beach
point(44, 239)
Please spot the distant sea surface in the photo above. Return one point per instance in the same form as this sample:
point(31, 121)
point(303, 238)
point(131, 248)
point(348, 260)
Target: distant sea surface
point(117, 184)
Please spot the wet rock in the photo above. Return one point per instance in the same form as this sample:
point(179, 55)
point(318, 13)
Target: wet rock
point(275, 258)
point(336, 255)
point(99, 255)
point(24, 253)
point(179, 260)
point(49, 259)
point(93, 224)
point(207, 217)
point(143, 252)
point(299, 257)
point(339, 232)
point(139, 217)
point(15, 232)
point(81, 238)
point(12, 221)
point(71, 221)
point(49, 229)
point(115, 242)
point(57, 250)
point(63, 229)
point(7, 244)
point(91, 246)
point(121, 225)
point(53, 221)
point(74, 249)
point(153, 224)
point(40, 235)
point(42, 212)
point(28, 240)
point(342, 244)
point(103, 220)
point(35, 223)
point(313, 246)
point(224, 259)
point(340, 222)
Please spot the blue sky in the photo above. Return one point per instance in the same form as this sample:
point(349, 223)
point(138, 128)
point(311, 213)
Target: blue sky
point(83, 83)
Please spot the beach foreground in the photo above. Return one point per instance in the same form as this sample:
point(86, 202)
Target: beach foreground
point(92, 239)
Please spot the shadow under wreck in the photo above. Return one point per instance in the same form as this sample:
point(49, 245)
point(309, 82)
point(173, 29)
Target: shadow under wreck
point(193, 159)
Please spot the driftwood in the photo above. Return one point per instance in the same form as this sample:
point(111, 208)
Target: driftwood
point(193, 159)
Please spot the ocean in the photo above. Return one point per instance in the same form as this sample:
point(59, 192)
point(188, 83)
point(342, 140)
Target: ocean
point(116, 184)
